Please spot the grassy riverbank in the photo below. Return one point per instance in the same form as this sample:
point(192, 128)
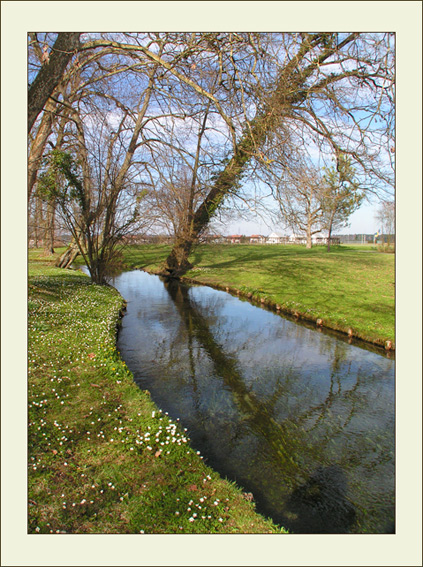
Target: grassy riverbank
point(351, 289)
point(102, 457)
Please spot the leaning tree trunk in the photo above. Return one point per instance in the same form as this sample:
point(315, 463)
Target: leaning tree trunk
point(290, 90)
point(66, 44)
point(177, 262)
point(38, 145)
point(68, 256)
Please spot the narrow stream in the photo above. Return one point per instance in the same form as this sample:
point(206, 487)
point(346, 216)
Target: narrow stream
point(301, 419)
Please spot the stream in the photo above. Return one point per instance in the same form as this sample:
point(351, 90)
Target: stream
point(299, 418)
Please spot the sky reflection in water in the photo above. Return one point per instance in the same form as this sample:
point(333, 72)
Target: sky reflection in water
point(302, 420)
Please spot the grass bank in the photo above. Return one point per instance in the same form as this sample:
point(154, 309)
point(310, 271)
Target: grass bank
point(350, 289)
point(103, 458)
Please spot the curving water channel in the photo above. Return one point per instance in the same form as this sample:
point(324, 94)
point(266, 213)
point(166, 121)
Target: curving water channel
point(301, 419)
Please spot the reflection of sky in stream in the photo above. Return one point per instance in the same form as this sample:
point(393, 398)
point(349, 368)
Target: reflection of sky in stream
point(302, 420)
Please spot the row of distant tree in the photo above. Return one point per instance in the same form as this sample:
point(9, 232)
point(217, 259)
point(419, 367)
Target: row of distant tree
point(172, 131)
point(64, 239)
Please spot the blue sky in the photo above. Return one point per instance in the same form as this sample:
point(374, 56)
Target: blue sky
point(361, 222)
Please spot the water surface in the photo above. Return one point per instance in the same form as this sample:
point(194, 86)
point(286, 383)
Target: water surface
point(301, 419)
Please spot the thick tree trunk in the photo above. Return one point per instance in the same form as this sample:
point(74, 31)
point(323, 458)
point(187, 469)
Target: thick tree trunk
point(99, 269)
point(50, 74)
point(177, 262)
point(308, 244)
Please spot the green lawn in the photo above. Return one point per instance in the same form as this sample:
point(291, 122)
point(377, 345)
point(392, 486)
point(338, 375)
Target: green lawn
point(102, 457)
point(351, 287)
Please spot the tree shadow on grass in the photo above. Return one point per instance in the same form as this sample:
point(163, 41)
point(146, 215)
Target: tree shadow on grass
point(249, 256)
point(258, 254)
point(276, 261)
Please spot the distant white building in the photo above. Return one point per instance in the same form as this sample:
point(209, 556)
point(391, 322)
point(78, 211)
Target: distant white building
point(257, 239)
point(275, 238)
point(297, 239)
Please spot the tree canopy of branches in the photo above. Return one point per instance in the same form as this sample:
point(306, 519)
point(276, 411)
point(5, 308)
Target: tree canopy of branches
point(194, 120)
point(314, 96)
point(300, 199)
point(386, 218)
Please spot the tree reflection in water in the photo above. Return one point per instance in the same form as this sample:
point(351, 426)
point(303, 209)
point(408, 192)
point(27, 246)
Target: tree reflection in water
point(300, 420)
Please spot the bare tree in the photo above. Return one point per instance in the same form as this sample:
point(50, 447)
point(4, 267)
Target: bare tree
point(300, 197)
point(98, 200)
point(386, 218)
point(183, 168)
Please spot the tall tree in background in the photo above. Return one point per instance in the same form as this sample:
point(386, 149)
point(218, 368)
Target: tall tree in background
point(300, 200)
point(341, 195)
point(386, 218)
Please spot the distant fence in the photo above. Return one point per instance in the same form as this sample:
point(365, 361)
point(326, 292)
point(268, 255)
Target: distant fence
point(366, 238)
